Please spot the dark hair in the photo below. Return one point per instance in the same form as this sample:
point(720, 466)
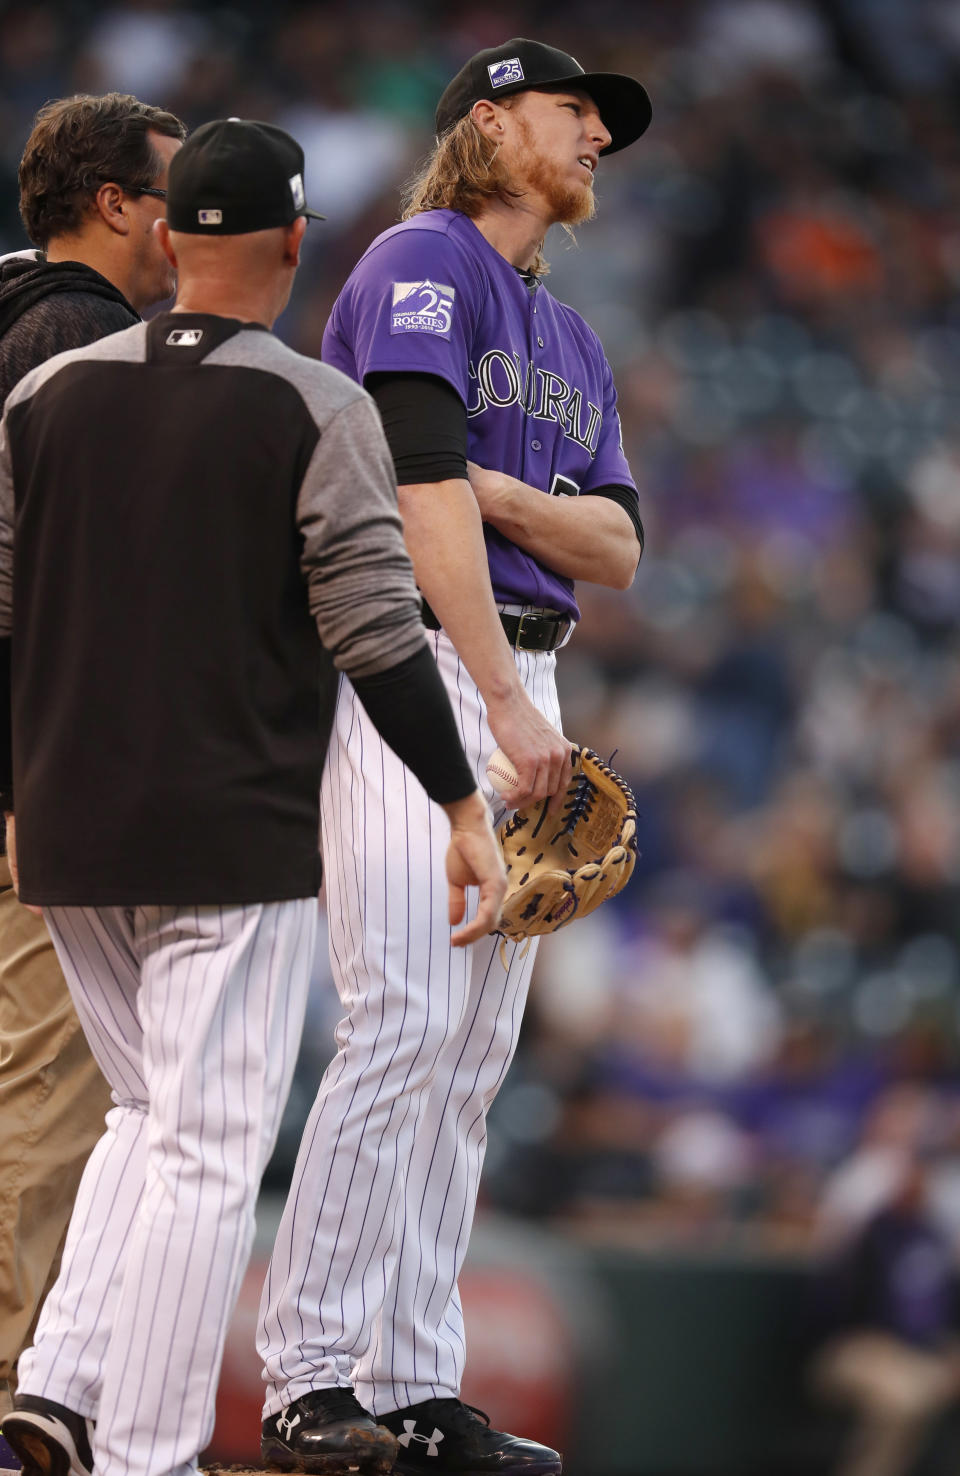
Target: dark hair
point(78, 144)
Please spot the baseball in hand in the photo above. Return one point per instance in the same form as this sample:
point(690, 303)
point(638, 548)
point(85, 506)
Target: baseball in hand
point(502, 775)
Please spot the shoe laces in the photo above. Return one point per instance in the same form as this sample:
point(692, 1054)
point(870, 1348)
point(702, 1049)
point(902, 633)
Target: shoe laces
point(459, 1414)
point(335, 1403)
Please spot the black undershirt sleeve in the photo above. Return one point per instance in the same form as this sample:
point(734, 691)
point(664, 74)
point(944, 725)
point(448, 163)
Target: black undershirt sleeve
point(624, 497)
point(425, 423)
point(409, 707)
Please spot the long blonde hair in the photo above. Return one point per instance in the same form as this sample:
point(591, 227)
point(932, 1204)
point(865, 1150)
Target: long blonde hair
point(462, 173)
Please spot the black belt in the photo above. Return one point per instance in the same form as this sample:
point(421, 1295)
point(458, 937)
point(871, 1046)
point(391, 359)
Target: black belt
point(537, 630)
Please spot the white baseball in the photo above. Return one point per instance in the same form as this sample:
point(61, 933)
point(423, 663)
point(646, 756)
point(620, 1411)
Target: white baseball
point(502, 775)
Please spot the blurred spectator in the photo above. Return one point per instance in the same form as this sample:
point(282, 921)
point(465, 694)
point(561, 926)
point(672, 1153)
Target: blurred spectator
point(898, 1129)
point(689, 994)
point(888, 1300)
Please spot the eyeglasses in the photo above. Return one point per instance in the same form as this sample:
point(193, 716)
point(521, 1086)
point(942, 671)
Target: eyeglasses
point(145, 190)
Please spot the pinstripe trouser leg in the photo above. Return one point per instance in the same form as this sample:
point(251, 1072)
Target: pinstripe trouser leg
point(403, 992)
point(195, 1017)
point(418, 1348)
point(362, 1282)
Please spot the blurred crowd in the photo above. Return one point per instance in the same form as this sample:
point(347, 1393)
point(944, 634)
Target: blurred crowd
point(732, 1050)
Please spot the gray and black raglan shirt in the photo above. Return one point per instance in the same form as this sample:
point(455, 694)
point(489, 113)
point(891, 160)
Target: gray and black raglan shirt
point(198, 529)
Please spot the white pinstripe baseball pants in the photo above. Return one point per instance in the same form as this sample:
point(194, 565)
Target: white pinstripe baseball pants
point(194, 1016)
point(362, 1283)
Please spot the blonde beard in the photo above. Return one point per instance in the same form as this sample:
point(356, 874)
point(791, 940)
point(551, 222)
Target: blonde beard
point(567, 205)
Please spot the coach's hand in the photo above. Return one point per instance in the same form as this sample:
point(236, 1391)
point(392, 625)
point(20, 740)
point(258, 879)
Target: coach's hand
point(540, 755)
point(474, 859)
point(11, 825)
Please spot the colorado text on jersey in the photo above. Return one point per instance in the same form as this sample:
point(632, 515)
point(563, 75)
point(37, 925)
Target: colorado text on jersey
point(501, 380)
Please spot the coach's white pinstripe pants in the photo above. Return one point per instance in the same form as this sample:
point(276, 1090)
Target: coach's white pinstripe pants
point(194, 1015)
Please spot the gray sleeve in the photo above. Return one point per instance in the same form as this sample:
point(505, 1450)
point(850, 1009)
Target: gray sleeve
point(362, 591)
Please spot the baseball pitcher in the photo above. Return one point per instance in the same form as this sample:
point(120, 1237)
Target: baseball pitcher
point(500, 412)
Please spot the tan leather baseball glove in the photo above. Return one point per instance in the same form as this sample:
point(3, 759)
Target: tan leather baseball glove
point(562, 867)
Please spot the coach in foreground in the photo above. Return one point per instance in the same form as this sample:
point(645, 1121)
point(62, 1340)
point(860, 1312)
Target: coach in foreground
point(500, 412)
point(201, 530)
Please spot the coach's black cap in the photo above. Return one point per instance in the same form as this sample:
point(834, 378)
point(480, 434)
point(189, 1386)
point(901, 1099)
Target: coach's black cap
point(234, 176)
point(520, 65)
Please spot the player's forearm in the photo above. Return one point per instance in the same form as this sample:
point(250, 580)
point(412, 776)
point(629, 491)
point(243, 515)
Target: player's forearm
point(588, 538)
point(444, 537)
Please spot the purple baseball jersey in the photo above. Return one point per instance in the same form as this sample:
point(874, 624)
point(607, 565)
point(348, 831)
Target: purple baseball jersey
point(432, 296)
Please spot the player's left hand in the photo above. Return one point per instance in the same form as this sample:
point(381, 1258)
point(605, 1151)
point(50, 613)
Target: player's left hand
point(474, 859)
point(490, 488)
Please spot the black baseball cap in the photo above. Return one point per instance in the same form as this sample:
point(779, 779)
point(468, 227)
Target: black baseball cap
point(520, 66)
point(234, 176)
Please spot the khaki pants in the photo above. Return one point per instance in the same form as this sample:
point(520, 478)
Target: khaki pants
point(897, 1392)
point(52, 1104)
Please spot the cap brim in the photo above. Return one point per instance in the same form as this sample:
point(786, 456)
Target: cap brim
point(623, 103)
point(624, 106)
point(312, 214)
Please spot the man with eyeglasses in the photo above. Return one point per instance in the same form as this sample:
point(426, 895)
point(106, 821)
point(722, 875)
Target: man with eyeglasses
point(92, 183)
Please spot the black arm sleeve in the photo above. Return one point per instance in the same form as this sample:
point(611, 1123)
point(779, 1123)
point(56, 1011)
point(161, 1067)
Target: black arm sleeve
point(409, 707)
point(626, 498)
point(425, 423)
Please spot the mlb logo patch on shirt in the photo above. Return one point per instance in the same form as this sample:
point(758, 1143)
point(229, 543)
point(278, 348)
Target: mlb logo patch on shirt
point(184, 337)
point(502, 72)
point(422, 307)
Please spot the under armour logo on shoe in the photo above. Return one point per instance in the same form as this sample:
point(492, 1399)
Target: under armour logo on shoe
point(287, 1426)
point(430, 1441)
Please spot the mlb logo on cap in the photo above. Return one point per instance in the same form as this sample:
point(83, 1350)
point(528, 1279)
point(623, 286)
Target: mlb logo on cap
point(234, 176)
point(502, 72)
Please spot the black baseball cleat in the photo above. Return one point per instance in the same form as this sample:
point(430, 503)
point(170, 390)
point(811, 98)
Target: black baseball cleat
point(327, 1431)
point(446, 1435)
point(48, 1438)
